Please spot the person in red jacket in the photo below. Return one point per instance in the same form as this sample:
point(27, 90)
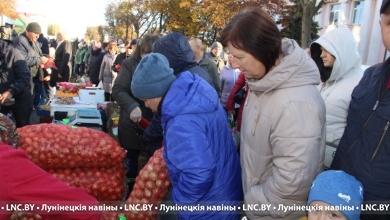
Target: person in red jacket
point(240, 83)
point(26, 187)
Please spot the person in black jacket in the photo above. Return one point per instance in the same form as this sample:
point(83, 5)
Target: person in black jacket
point(63, 57)
point(123, 54)
point(177, 50)
point(132, 109)
point(95, 60)
point(14, 84)
point(75, 47)
point(364, 148)
point(39, 90)
point(44, 44)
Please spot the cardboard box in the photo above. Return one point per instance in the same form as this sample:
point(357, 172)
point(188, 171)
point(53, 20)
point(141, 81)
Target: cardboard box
point(91, 95)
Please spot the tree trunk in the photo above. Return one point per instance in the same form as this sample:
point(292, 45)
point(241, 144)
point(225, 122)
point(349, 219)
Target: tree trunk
point(309, 10)
point(306, 27)
point(127, 27)
point(136, 30)
point(161, 28)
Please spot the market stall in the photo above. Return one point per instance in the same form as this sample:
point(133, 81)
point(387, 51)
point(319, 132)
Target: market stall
point(78, 103)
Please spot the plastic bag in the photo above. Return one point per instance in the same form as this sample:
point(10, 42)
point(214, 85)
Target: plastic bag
point(233, 129)
point(100, 85)
point(240, 95)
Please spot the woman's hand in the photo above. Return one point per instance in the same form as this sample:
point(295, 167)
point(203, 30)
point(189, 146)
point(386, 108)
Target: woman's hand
point(136, 115)
point(232, 112)
point(6, 95)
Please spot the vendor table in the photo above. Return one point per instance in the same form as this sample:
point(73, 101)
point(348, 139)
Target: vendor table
point(71, 109)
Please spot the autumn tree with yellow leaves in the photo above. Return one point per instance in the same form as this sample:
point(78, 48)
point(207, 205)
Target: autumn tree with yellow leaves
point(204, 19)
point(95, 33)
point(207, 18)
point(193, 18)
point(8, 8)
point(52, 29)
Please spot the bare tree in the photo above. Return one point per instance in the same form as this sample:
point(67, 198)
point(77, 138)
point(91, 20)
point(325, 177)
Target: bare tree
point(310, 8)
point(111, 16)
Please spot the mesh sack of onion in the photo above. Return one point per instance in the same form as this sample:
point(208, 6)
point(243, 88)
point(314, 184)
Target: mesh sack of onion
point(79, 156)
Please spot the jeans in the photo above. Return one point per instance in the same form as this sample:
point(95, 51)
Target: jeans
point(38, 92)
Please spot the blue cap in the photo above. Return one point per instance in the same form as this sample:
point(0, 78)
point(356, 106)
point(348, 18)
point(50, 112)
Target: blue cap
point(339, 189)
point(152, 77)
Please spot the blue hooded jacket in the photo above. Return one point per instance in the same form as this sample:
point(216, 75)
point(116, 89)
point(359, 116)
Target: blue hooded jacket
point(200, 154)
point(177, 50)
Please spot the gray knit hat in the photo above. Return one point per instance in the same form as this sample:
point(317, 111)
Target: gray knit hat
point(152, 77)
point(34, 27)
point(216, 44)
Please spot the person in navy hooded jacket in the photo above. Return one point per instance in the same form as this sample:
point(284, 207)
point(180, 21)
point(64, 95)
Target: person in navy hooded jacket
point(364, 148)
point(177, 50)
point(200, 154)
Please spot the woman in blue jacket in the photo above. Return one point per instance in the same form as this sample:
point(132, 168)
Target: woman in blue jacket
point(200, 154)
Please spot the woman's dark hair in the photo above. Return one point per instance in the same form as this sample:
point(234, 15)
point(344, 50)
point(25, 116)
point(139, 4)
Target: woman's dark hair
point(144, 46)
point(146, 42)
point(253, 31)
point(315, 53)
point(135, 58)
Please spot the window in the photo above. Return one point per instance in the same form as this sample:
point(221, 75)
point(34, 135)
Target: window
point(334, 14)
point(358, 12)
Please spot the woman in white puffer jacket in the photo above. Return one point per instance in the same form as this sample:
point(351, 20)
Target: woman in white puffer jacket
point(338, 60)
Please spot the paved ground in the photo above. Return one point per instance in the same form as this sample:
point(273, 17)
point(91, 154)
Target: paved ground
point(34, 119)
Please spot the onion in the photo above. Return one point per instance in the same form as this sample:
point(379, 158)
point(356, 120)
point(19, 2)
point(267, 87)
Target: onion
point(151, 187)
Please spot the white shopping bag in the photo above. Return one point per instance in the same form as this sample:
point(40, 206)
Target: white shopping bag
point(100, 85)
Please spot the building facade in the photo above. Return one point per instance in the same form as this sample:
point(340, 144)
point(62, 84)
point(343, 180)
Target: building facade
point(32, 17)
point(362, 18)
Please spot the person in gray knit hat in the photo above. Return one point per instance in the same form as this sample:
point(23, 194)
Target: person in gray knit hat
point(199, 150)
point(215, 53)
point(30, 48)
point(217, 45)
point(34, 27)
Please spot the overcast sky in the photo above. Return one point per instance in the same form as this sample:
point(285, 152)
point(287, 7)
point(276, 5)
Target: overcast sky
point(72, 15)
